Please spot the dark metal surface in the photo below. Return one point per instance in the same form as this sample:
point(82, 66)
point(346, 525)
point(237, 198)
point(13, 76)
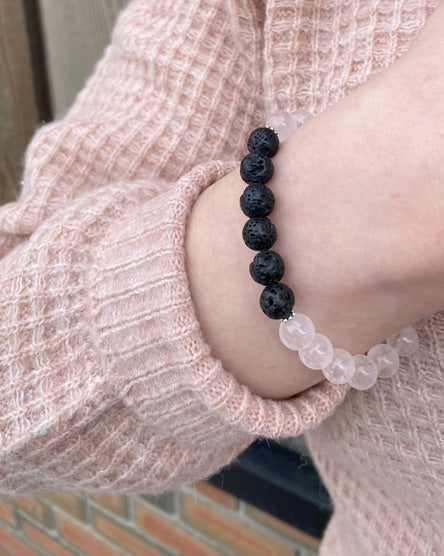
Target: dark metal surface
point(280, 482)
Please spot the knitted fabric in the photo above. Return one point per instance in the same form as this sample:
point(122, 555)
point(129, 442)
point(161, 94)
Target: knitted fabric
point(107, 382)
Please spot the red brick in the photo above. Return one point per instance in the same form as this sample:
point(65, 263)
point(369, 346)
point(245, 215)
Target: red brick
point(49, 545)
point(115, 503)
point(33, 507)
point(169, 533)
point(14, 545)
point(6, 514)
point(128, 540)
point(216, 495)
point(80, 536)
point(233, 533)
point(69, 502)
point(282, 528)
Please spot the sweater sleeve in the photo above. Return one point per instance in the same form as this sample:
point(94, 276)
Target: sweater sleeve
point(180, 84)
point(107, 382)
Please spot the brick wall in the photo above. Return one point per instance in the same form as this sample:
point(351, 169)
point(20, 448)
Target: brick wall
point(198, 521)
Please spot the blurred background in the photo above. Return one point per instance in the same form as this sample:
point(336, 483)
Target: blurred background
point(270, 502)
point(47, 50)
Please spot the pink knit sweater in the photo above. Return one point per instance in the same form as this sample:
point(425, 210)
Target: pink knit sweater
point(107, 384)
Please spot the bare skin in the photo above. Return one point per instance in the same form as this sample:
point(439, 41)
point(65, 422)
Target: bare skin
point(359, 214)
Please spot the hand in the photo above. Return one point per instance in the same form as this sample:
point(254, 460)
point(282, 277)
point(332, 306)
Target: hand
point(359, 215)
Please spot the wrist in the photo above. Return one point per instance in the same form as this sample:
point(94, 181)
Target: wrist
point(358, 217)
point(226, 298)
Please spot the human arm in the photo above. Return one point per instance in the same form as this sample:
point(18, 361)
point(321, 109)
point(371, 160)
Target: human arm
point(107, 382)
point(359, 203)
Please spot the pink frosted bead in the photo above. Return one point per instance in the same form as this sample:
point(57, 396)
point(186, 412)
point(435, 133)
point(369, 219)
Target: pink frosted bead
point(365, 374)
point(405, 342)
point(297, 332)
point(318, 354)
point(301, 117)
point(341, 368)
point(283, 124)
point(386, 359)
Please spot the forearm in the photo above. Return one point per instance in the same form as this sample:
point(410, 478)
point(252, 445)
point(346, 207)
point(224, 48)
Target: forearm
point(359, 202)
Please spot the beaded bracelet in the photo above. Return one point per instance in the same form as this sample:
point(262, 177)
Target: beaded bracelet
point(296, 330)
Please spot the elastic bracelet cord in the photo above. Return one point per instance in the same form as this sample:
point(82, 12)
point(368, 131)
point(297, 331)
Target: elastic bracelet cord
point(277, 300)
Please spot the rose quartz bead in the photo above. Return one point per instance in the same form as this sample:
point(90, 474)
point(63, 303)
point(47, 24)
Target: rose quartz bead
point(405, 342)
point(365, 374)
point(386, 359)
point(301, 117)
point(318, 354)
point(283, 124)
point(341, 368)
point(297, 332)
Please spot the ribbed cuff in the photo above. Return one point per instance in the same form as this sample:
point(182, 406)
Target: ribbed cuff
point(160, 365)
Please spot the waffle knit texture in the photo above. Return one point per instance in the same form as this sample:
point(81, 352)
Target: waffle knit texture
point(107, 382)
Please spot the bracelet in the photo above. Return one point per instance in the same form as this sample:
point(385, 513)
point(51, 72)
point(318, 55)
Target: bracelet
point(296, 330)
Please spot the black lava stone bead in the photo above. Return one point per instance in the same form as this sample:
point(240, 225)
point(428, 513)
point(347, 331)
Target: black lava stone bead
point(277, 301)
point(257, 200)
point(263, 140)
point(259, 233)
point(256, 168)
point(267, 268)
